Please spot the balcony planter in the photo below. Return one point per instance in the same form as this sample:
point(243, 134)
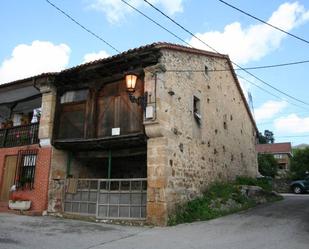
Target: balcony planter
point(20, 205)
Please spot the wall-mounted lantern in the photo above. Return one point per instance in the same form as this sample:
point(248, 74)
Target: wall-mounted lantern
point(131, 80)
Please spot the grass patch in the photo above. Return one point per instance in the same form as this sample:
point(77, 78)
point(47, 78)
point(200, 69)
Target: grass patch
point(221, 199)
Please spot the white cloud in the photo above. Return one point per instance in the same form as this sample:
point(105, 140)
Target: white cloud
point(95, 56)
point(269, 109)
point(245, 44)
point(29, 60)
point(292, 124)
point(116, 10)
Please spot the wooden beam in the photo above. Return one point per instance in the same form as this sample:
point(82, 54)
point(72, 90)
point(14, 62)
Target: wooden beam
point(106, 69)
point(116, 153)
point(114, 142)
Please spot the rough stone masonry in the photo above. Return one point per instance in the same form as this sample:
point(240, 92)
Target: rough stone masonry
point(186, 154)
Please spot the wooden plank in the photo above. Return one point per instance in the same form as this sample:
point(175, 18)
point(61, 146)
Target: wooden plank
point(90, 116)
point(116, 110)
point(72, 119)
point(8, 176)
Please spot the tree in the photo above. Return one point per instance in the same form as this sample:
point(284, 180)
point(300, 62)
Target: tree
point(267, 138)
point(267, 165)
point(300, 163)
point(262, 139)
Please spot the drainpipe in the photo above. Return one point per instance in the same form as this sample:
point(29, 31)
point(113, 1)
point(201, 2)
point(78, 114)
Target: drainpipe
point(109, 170)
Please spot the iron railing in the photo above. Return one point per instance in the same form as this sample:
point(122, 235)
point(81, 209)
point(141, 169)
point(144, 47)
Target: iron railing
point(19, 135)
point(108, 198)
point(26, 162)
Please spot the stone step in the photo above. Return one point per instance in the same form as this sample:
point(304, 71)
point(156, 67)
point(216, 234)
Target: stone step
point(4, 208)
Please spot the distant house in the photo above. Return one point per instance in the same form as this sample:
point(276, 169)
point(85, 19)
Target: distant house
point(282, 153)
point(134, 135)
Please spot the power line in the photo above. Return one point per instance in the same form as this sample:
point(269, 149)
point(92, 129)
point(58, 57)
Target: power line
point(262, 21)
point(293, 136)
point(278, 90)
point(82, 26)
point(276, 65)
point(265, 123)
point(282, 113)
point(251, 74)
point(98, 37)
point(180, 26)
point(270, 93)
point(158, 24)
point(238, 69)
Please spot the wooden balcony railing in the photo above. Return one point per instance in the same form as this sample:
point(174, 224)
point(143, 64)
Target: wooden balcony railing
point(19, 135)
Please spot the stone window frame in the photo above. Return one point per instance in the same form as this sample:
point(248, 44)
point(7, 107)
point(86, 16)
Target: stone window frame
point(197, 109)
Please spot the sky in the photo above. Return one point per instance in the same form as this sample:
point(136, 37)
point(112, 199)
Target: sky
point(38, 38)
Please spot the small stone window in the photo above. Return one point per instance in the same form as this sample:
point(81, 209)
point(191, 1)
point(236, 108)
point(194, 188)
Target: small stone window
point(197, 109)
point(206, 70)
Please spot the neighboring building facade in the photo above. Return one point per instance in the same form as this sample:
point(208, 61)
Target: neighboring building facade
point(137, 155)
point(282, 152)
point(23, 162)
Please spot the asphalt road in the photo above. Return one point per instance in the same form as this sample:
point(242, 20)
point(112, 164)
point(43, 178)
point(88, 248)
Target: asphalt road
point(280, 225)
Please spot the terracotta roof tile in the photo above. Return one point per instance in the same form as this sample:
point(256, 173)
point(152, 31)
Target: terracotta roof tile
point(274, 148)
point(28, 79)
point(158, 45)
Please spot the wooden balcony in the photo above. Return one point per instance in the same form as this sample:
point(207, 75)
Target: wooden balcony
point(87, 123)
point(19, 135)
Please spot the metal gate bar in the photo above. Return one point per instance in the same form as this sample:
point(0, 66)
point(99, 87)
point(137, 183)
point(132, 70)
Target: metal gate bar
point(109, 198)
point(84, 200)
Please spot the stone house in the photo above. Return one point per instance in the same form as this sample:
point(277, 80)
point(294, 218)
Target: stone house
point(282, 152)
point(135, 134)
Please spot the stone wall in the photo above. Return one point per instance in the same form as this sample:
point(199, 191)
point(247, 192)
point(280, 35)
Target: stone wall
point(282, 185)
point(60, 169)
point(185, 156)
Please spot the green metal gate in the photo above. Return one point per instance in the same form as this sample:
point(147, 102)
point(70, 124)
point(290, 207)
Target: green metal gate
point(107, 198)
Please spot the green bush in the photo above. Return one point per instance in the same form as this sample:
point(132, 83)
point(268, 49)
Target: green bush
point(209, 206)
point(244, 180)
point(201, 209)
point(220, 190)
point(268, 165)
point(300, 163)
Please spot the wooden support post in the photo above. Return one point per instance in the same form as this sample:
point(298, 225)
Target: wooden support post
point(69, 164)
point(109, 164)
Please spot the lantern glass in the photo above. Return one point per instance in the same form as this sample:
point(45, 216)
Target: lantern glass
point(131, 82)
